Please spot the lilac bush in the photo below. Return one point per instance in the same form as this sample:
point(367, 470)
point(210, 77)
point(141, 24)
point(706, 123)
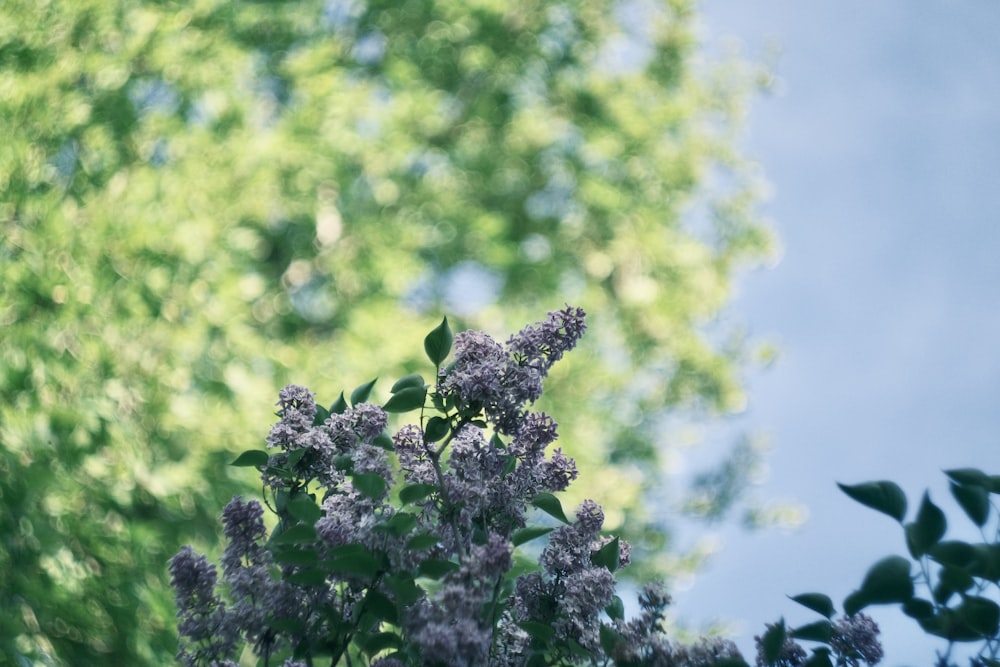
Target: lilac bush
point(403, 549)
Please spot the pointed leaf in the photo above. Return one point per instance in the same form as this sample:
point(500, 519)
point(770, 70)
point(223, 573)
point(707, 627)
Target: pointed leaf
point(609, 638)
point(371, 484)
point(883, 496)
point(975, 501)
point(773, 641)
point(381, 606)
point(527, 534)
point(339, 406)
point(298, 534)
point(954, 552)
point(361, 394)
point(928, 528)
point(819, 603)
point(423, 541)
point(437, 344)
point(254, 457)
point(382, 641)
point(304, 508)
point(970, 476)
point(918, 608)
point(415, 492)
point(405, 400)
point(549, 504)
point(819, 658)
point(408, 381)
point(320, 416)
point(615, 609)
point(437, 428)
point(888, 581)
point(607, 556)
point(535, 630)
point(820, 631)
point(308, 577)
point(435, 568)
point(980, 615)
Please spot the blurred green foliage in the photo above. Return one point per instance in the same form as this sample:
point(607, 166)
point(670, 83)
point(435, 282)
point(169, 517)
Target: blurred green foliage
point(201, 201)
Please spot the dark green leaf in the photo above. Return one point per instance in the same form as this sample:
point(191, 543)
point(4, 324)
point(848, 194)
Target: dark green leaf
point(298, 534)
point(308, 577)
point(364, 564)
point(437, 428)
point(773, 641)
point(423, 541)
point(509, 463)
point(609, 638)
point(405, 400)
point(527, 534)
point(883, 496)
point(987, 562)
point(820, 631)
point(408, 381)
point(437, 344)
point(401, 523)
point(361, 394)
point(381, 642)
point(371, 484)
point(404, 588)
point(384, 609)
point(819, 603)
point(435, 568)
point(339, 406)
point(969, 476)
point(607, 556)
point(615, 609)
point(954, 553)
point(549, 504)
point(294, 556)
point(928, 528)
point(295, 456)
point(384, 440)
point(888, 581)
point(918, 608)
point(320, 416)
point(253, 457)
point(414, 492)
point(955, 579)
point(855, 602)
point(980, 615)
point(304, 508)
point(537, 630)
point(975, 501)
point(819, 658)
point(292, 626)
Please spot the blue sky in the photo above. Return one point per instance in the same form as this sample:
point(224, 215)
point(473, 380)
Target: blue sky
point(882, 145)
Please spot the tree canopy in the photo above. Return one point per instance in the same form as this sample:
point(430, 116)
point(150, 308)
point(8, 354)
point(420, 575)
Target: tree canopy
point(203, 201)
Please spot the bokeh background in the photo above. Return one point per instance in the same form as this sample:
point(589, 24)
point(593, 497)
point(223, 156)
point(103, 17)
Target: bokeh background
point(881, 140)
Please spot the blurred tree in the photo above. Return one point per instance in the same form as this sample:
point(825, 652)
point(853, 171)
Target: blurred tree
point(205, 200)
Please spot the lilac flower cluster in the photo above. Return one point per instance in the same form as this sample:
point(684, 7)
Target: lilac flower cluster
point(853, 642)
point(500, 382)
point(409, 561)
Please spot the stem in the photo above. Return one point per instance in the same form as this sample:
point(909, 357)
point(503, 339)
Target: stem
point(435, 457)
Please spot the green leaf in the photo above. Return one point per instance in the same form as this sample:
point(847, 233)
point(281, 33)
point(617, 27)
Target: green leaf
point(361, 394)
point(820, 631)
point(549, 504)
point(535, 630)
point(928, 528)
point(304, 508)
point(527, 534)
point(382, 641)
point(980, 615)
point(384, 440)
point(405, 400)
point(437, 428)
point(290, 555)
point(954, 553)
point(415, 492)
point(975, 501)
point(773, 641)
point(435, 568)
point(252, 458)
point(380, 606)
point(607, 556)
point(370, 484)
point(353, 559)
point(422, 541)
point(298, 534)
point(307, 577)
point(320, 416)
point(615, 609)
point(339, 406)
point(955, 579)
point(408, 381)
point(819, 603)
point(918, 608)
point(819, 658)
point(404, 588)
point(609, 638)
point(437, 344)
point(887, 581)
point(987, 562)
point(290, 625)
point(883, 496)
point(401, 523)
point(969, 477)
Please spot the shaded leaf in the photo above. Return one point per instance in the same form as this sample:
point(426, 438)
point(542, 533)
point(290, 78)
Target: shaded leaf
point(887, 581)
point(414, 492)
point(607, 556)
point(549, 504)
point(404, 588)
point(437, 428)
point(406, 399)
point(361, 394)
point(883, 496)
point(536, 630)
point(527, 534)
point(615, 609)
point(437, 344)
point(955, 553)
point(974, 500)
point(422, 541)
point(304, 508)
point(773, 641)
point(928, 528)
point(435, 568)
point(609, 638)
point(819, 603)
point(377, 604)
point(820, 631)
point(253, 457)
point(969, 476)
point(307, 577)
point(408, 381)
point(918, 608)
point(370, 484)
point(339, 406)
point(298, 534)
point(382, 641)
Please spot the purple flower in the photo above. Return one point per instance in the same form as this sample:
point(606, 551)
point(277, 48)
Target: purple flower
point(855, 638)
